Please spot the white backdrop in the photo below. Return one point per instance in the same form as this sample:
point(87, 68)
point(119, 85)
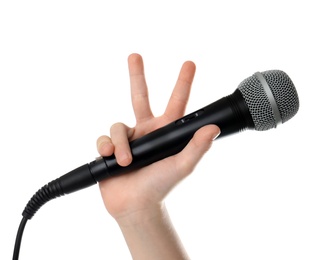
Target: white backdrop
point(64, 82)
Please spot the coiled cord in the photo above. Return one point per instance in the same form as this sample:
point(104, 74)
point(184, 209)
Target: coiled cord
point(48, 192)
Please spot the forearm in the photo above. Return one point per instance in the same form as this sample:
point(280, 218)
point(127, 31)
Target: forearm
point(150, 235)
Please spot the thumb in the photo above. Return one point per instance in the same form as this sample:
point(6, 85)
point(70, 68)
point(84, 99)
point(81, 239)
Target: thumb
point(201, 142)
point(168, 172)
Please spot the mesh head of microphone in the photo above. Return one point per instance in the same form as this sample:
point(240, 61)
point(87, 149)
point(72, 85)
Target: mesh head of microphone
point(259, 105)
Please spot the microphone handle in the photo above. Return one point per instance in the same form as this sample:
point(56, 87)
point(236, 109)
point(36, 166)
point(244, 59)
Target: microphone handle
point(229, 113)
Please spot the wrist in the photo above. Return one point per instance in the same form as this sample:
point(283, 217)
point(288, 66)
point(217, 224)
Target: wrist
point(141, 216)
point(150, 234)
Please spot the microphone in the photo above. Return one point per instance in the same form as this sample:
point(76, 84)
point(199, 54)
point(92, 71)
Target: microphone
point(260, 102)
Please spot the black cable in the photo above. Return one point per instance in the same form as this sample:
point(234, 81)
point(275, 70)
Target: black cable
point(19, 238)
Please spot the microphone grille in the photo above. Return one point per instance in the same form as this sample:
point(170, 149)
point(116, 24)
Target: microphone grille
point(259, 102)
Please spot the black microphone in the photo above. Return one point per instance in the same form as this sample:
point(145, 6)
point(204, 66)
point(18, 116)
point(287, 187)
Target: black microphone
point(260, 102)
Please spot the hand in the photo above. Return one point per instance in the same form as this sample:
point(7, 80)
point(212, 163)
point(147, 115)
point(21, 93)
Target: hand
point(141, 192)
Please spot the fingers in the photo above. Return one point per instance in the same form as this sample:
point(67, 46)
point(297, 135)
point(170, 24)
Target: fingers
point(117, 144)
point(139, 91)
point(181, 92)
point(196, 148)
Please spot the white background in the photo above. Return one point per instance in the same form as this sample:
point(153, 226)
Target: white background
point(64, 82)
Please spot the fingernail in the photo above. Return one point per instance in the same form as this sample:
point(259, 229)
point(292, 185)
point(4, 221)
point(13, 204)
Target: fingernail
point(214, 136)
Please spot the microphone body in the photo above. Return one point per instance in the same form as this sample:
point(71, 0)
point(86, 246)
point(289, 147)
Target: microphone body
point(260, 102)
